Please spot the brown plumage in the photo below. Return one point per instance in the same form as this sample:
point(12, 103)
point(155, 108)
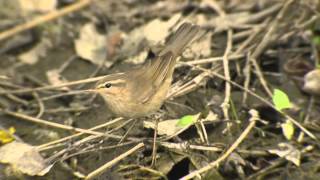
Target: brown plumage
point(141, 91)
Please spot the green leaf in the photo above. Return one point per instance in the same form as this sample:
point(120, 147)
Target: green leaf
point(187, 120)
point(281, 100)
point(287, 129)
point(316, 40)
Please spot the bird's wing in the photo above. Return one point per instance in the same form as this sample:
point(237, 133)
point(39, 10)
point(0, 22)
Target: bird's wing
point(161, 65)
point(153, 76)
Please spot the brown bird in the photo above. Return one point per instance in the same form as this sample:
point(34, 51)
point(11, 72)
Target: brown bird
point(141, 91)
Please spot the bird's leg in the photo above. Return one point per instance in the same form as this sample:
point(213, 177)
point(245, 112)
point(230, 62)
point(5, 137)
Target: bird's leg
point(154, 148)
point(157, 117)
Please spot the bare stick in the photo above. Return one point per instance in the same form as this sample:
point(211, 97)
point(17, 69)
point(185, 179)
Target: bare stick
point(254, 117)
point(271, 30)
point(103, 168)
point(45, 18)
point(26, 90)
point(56, 125)
point(261, 77)
point(40, 104)
point(266, 102)
point(225, 105)
point(212, 59)
point(48, 145)
point(247, 75)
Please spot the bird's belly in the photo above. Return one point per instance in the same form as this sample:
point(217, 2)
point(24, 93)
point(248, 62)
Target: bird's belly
point(131, 108)
point(134, 110)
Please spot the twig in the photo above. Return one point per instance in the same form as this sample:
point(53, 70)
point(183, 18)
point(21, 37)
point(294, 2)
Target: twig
point(185, 146)
point(266, 102)
point(40, 104)
point(213, 59)
point(273, 27)
point(306, 119)
point(225, 105)
point(45, 18)
point(56, 125)
point(254, 117)
point(261, 77)
point(49, 87)
point(247, 75)
point(97, 149)
point(103, 168)
point(189, 86)
point(128, 131)
point(70, 93)
point(154, 145)
point(17, 99)
point(254, 32)
point(46, 146)
point(265, 170)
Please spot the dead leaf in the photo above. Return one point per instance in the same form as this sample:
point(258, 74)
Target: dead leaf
point(211, 117)
point(38, 5)
point(200, 48)
point(54, 77)
point(91, 45)
point(289, 152)
point(138, 59)
point(153, 32)
point(157, 30)
point(24, 158)
point(169, 127)
point(33, 55)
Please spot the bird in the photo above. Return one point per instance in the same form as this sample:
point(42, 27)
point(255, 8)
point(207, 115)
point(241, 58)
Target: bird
point(141, 91)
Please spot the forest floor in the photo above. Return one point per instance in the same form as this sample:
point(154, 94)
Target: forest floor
point(244, 101)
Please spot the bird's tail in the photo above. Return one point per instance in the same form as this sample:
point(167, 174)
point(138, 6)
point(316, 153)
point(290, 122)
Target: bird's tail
point(181, 38)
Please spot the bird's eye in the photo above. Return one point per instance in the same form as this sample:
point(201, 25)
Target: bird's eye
point(107, 85)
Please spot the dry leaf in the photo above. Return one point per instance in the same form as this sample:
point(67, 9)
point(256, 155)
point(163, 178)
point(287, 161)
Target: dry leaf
point(154, 32)
point(167, 127)
point(91, 45)
point(157, 30)
point(289, 152)
point(38, 51)
point(54, 77)
point(138, 59)
point(200, 48)
point(24, 158)
point(211, 117)
point(38, 5)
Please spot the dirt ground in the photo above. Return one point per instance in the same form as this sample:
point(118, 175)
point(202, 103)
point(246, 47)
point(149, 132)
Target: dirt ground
point(244, 102)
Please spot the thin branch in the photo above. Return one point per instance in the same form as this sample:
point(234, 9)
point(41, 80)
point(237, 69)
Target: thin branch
point(106, 166)
point(56, 125)
point(225, 105)
point(49, 145)
point(311, 135)
point(254, 117)
point(50, 87)
point(45, 18)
